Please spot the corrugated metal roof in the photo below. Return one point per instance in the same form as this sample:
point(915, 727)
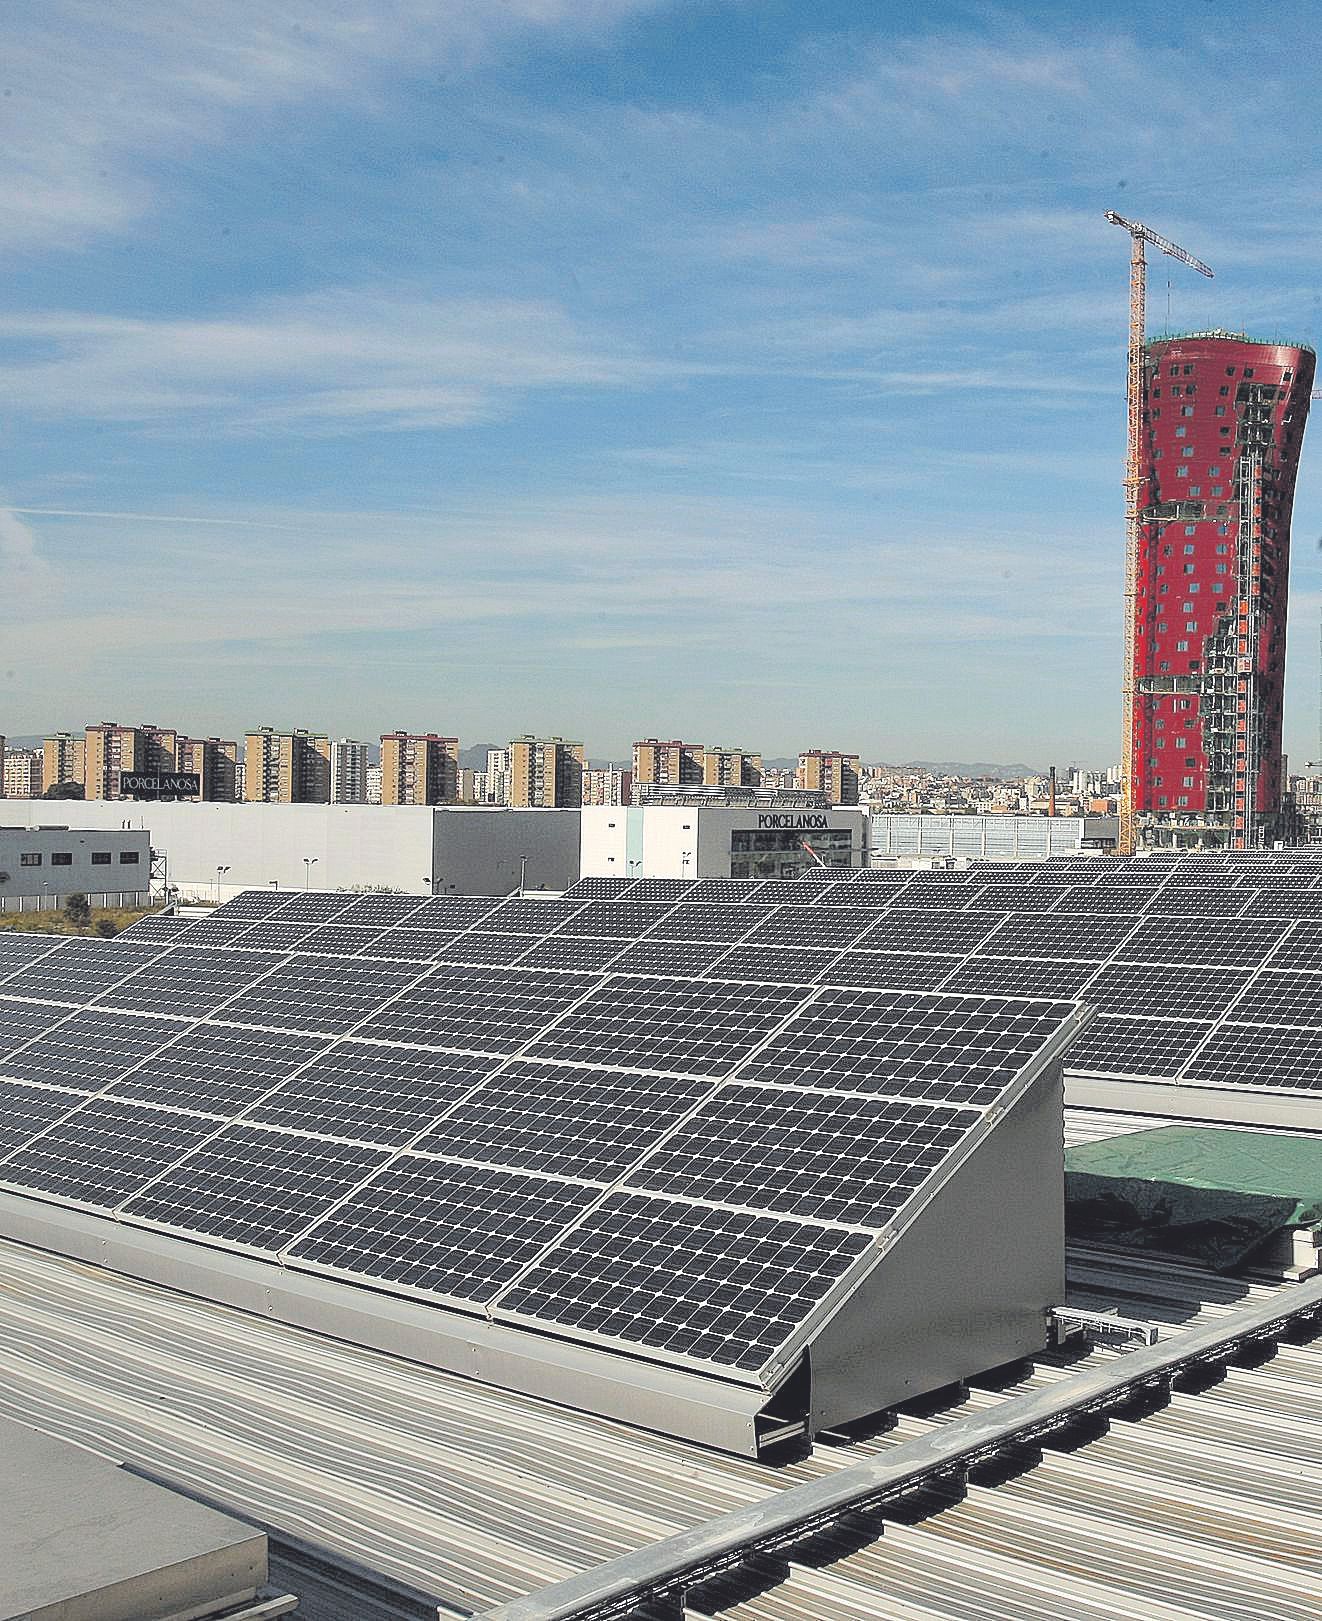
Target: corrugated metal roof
point(1212, 1506)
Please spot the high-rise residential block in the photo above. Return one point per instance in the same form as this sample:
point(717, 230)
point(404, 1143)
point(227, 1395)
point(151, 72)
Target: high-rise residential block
point(348, 772)
point(829, 772)
point(1223, 422)
point(286, 767)
point(215, 763)
point(62, 759)
point(111, 751)
point(546, 771)
point(374, 784)
point(666, 764)
point(23, 779)
point(4, 774)
point(609, 786)
point(731, 768)
point(419, 768)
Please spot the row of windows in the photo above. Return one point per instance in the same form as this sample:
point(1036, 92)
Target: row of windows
point(64, 858)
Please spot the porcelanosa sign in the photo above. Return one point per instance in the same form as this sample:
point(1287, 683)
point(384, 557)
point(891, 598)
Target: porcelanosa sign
point(798, 824)
point(159, 784)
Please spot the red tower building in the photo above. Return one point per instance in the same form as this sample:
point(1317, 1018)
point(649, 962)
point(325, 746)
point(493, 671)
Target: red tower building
point(1223, 421)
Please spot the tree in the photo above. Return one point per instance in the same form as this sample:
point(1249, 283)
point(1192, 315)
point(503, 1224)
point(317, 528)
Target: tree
point(106, 927)
point(64, 790)
point(78, 911)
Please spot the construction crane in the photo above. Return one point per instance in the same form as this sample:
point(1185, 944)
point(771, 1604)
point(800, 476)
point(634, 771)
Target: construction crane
point(1139, 235)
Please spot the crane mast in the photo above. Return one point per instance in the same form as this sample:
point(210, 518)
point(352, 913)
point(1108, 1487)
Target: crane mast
point(1139, 236)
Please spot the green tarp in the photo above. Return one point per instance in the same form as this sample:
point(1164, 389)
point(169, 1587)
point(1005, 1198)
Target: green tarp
point(1199, 1191)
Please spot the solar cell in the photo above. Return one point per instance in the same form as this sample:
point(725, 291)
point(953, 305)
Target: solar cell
point(81, 971)
point(554, 1119)
point(1282, 998)
point(717, 1286)
point(304, 994)
point(835, 926)
point(342, 940)
point(679, 1026)
point(374, 1094)
point(21, 1021)
point(476, 1009)
point(1237, 942)
point(91, 1049)
point(773, 965)
point(452, 911)
point(579, 954)
point(193, 983)
point(891, 970)
point(1021, 976)
point(1249, 1056)
point(26, 1110)
point(314, 907)
point(1080, 935)
point(462, 1231)
point(947, 1049)
point(1153, 1048)
point(1160, 990)
point(839, 1159)
point(216, 1069)
point(527, 915)
point(254, 1187)
point(103, 1152)
point(685, 958)
point(930, 931)
point(620, 919)
point(698, 920)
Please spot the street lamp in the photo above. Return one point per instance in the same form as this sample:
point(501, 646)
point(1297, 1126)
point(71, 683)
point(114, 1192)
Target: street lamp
point(220, 873)
point(309, 862)
point(523, 872)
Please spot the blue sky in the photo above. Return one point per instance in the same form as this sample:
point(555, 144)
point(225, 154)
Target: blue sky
point(739, 369)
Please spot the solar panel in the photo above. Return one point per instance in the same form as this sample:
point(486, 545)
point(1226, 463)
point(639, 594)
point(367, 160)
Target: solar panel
point(661, 889)
point(1081, 936)
point(836, 926)
point(254, 1187)
point(371, 1093)
point(103, 1152)
point(1098, 898)
point(342, 940)
point(304, 994)
point(1014, 898)
point(91, 1049)
point(1020, 976)
point(190, 984)
point(1201, 902)
point(416, 945)
point(934, 931)
point(216, 1069)
point(21, 1021)
point(458, 1231)
point(853, 1160)
point(579, 954)
point(81, 971)
point(948, 1049)
point(1237, 942)
point(1304, 903)
point(452, 911)
point(679, 1026)
point(1282, 998)
point(154, 929)
point(1159, 990)
point(526, 915)
point(890, 970)
point(26, 1110)
point(685, 958)
point(776, 965)
point(1153, 1048)
point(733, 890)
point(488, 948)
point(712, 1285)
point(597, 888)
point(315, 907)
point(380, 909)
point(18, 951)
point(694, 920)
point(776, 891)
point(937, 897)
point(620, 919)
point(1253, 1057)
point(224, 931)
point(272, 936)
point(585, 1123)
point(1301, 948)
point(477, 1009)
point(873, 896)
point(253, 903)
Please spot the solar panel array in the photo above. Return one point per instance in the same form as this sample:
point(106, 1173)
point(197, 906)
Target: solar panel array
point(675, 1165)
point(1205, 969)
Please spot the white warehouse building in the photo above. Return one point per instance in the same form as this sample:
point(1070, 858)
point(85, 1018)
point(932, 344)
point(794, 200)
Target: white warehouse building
point(718, 841)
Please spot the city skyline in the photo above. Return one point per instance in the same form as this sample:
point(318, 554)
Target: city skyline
point(545, 365)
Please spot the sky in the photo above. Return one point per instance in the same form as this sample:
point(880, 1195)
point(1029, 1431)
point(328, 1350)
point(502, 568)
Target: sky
point(736, 370)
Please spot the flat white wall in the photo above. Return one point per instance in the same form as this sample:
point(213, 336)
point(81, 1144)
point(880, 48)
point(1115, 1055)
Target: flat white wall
point(687, 841)
point(413, 848)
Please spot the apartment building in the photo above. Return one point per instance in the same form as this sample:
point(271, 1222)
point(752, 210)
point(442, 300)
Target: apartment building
point(112, 751)
point(348, 772)
point(286, 767)
point(419, 768)
point(658, 764)
point(214, 761)
point(829, 772)
point(62, 759)
point(730, 768)
point(546, 772)
point(23, 779)
point(609, 786)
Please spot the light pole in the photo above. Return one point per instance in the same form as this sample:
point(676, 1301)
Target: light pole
point(220, 873)
point(684, 860)
point(523, 872)
point(309, 862)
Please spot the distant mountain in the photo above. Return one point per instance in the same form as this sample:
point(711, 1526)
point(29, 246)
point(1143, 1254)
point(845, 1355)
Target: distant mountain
point(475, 758)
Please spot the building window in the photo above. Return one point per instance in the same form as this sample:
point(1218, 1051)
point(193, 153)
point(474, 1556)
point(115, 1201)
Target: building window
point(128, 858)
point(1181, 647)
point(1181, 472)
point(1217, 590)
point(61, 858)
point(1186, 410)
point(1182, 800)
point(1187, 451)
point(29, 858)
point(1188, 550)
point(1180, 432)
point(1191, 624)
point(100, 858)
point(1189, 568)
